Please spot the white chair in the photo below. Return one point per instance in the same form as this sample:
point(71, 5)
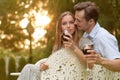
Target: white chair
point(15, 74)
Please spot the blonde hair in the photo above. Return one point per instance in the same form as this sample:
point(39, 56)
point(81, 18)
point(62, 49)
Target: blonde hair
point(58, 41)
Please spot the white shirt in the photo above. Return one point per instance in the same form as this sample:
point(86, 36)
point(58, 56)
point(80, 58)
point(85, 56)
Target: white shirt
point(104, 42)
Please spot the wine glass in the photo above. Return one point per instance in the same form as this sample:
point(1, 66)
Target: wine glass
point(86, 48)
point(65, 33)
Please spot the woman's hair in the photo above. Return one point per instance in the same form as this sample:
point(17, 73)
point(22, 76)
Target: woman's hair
point(58, 38)
point(90, 8)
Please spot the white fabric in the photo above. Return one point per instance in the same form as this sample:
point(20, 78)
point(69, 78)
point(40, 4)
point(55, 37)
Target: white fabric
point(64, 65)
point(31, 71)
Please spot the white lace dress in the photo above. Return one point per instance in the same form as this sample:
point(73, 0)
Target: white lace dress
point(64, 65)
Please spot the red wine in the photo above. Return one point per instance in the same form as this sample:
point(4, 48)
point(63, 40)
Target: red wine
point(65, 33)
point(64, 39)
point(85, 51)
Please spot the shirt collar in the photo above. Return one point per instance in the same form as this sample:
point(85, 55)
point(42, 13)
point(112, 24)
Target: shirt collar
point(93, 32)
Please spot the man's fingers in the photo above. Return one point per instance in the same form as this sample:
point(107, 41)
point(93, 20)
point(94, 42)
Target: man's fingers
point(91, 51)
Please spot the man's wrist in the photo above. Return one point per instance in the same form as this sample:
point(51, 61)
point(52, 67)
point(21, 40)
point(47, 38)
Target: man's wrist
point(102, 61)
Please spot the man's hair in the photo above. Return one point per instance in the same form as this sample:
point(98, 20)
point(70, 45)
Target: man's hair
point(90, 8)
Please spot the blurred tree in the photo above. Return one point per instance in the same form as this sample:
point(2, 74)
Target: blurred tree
point(22, 62)
point(11, 68)
point(116, 11)
point(56, 7)
point(2, 69)
point(11, 34)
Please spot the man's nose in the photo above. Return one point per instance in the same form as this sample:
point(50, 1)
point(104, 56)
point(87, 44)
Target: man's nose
point(75, 23)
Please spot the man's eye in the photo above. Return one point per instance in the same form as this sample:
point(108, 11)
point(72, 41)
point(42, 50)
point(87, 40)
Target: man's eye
point(78, 20)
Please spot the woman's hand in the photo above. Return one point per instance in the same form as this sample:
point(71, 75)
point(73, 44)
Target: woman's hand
point(44, 66)
point(69, 41)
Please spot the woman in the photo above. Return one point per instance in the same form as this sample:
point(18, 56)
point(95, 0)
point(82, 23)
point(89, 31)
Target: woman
point(35, 72)
point(65, 22)
point(62, 63)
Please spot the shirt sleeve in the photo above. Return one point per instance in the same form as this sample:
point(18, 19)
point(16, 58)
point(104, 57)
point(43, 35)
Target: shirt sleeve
point(108, 47)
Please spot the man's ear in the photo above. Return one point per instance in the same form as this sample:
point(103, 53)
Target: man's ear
point(91, 21)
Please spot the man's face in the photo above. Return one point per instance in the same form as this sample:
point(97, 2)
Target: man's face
point(80, 21)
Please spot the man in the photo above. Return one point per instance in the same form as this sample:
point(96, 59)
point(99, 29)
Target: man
point(105, 44)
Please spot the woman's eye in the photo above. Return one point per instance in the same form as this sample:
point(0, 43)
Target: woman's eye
point(64, 23)
point(71, 22)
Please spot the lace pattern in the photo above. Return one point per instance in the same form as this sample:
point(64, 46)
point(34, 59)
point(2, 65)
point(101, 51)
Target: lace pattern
point(64, 65)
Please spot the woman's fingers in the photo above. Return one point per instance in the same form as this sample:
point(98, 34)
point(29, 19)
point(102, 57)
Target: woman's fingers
point(67, 44)
point(44, 66)
point(68, 37)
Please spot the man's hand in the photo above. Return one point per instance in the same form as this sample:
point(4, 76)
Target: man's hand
point(93, 57)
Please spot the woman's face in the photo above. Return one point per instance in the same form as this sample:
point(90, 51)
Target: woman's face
point(67, 23)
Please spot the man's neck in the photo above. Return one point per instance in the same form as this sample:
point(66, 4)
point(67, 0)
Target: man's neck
point(90, 28)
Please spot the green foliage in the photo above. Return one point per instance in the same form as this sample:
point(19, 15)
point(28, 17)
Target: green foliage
point(12, 68)
point(2, 52)
point(7, 6)
point(14, 37)
point(56, 7)
point(2, 69)
point(22, 62)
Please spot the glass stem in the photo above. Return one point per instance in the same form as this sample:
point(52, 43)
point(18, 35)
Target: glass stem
point(87, 69)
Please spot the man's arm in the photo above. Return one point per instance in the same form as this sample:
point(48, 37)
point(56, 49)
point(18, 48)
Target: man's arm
point(108, 48)
point(113, 65)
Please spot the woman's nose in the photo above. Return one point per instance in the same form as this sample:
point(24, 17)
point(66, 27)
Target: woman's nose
point(68, 25)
